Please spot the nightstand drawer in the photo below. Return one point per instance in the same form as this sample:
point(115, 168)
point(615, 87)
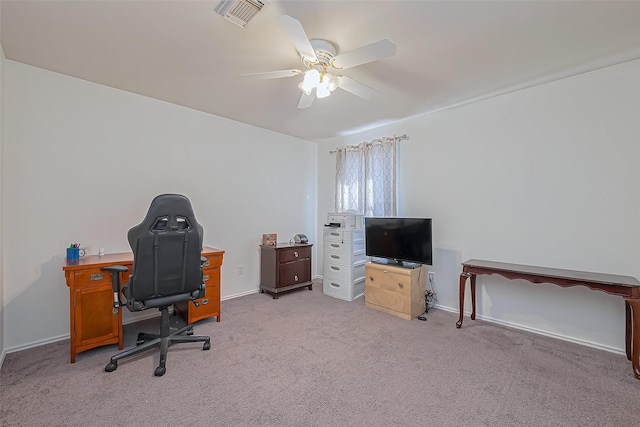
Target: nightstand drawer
point(294, 272)
point(295, 254)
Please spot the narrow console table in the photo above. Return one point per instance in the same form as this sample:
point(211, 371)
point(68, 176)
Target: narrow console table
point(625, 286)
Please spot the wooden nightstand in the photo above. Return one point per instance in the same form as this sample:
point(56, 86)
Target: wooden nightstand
point(285, 267)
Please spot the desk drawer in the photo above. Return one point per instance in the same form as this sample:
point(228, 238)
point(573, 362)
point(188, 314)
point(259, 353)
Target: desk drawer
point(92, 277)
point(212, 261)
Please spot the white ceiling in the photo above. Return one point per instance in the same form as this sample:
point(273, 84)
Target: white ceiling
point(448, 52)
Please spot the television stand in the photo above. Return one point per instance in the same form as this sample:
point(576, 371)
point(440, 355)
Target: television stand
point(396, 263)
point(395, 290)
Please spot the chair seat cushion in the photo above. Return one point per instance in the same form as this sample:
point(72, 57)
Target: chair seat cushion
point(134, 305)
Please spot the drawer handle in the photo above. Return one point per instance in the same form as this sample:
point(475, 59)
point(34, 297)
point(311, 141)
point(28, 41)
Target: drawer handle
point(295, 278)
point(205, 301)
point(97, 276)
point(335, 234)
point(333, 267)
point(335, 256)
point(334, 285)
point(295, 254)
point(335, 245)
point(205, 278)
point(371, 278)
point(206, 263)
point(400, 285)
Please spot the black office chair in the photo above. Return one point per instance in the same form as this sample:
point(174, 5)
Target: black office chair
point(167, 268)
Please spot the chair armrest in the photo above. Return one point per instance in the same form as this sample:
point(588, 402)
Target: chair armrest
point(115, 271)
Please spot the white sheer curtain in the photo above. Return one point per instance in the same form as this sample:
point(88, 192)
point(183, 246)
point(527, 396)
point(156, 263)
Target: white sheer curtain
point(366, 178)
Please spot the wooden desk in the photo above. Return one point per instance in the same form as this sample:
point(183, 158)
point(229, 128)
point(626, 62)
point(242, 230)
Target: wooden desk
point(94, 321)
point(625, 286)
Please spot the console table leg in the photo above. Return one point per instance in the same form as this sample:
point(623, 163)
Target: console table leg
point(473, 297)
point(463, 280)
point(627, 331)
point(634, 303)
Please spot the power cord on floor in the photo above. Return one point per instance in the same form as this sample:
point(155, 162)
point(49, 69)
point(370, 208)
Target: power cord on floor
point(429, 300)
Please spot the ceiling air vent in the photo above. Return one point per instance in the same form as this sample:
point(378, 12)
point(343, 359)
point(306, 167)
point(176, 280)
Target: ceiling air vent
point(240, 12)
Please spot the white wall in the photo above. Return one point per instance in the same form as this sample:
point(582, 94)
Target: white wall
point(2, 334)
point(83, 161)
point(546, 176)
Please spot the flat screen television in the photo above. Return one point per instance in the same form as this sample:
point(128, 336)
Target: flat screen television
point(399, 239)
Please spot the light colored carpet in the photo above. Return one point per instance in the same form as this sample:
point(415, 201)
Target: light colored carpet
point(307, 359)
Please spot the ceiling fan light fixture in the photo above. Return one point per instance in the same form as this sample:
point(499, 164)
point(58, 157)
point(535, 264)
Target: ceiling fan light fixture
point(330, 81)
point(311, 80)
point(304, 90)
point(322, 91)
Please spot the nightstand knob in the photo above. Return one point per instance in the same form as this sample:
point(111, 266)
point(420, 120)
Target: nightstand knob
point(295, 254)
point(295, 278)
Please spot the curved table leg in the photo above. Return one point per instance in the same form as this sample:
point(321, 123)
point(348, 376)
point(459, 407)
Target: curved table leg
point(473, 297)
point(627, 330)
point(463, 280)
point(634, 304)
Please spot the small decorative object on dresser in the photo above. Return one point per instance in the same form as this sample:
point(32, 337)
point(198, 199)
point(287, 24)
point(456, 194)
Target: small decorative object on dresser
point(285, 267)
point(270, 239)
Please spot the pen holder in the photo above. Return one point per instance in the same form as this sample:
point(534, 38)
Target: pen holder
point(75, 253)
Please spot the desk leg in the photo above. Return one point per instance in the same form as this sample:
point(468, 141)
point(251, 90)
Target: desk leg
point(463, 280)
point(634, 304)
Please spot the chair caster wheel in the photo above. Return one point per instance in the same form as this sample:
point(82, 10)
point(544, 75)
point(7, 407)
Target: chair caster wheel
point(111, 366)
point(190, 331)
point(160, 371)
point(206, 346)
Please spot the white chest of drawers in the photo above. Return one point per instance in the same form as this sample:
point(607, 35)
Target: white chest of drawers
point(344, 261)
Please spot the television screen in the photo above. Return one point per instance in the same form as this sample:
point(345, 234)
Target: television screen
point(399, 239)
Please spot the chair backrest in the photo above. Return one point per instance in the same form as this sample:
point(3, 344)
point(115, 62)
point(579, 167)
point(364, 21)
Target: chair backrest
point(167, 247)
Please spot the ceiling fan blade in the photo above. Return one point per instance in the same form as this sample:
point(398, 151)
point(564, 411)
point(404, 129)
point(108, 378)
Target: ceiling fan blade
point(358, 89)
point(306, 100)
point(364, 54)
point(293, 27)
point(271, 74)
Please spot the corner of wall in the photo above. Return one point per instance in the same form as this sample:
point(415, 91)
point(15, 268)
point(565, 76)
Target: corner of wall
point(2, 61)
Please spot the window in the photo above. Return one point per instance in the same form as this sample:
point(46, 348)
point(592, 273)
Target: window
point(366, 178)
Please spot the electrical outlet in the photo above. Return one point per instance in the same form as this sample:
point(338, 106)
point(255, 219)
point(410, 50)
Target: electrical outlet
point(240, 269)
point(432, 277)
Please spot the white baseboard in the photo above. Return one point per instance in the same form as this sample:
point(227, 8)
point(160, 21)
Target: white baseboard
point(241, 294)
point(148, 314)
point(539, 331)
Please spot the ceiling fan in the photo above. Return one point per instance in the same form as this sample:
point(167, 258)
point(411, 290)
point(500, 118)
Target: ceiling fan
point(324, 66)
